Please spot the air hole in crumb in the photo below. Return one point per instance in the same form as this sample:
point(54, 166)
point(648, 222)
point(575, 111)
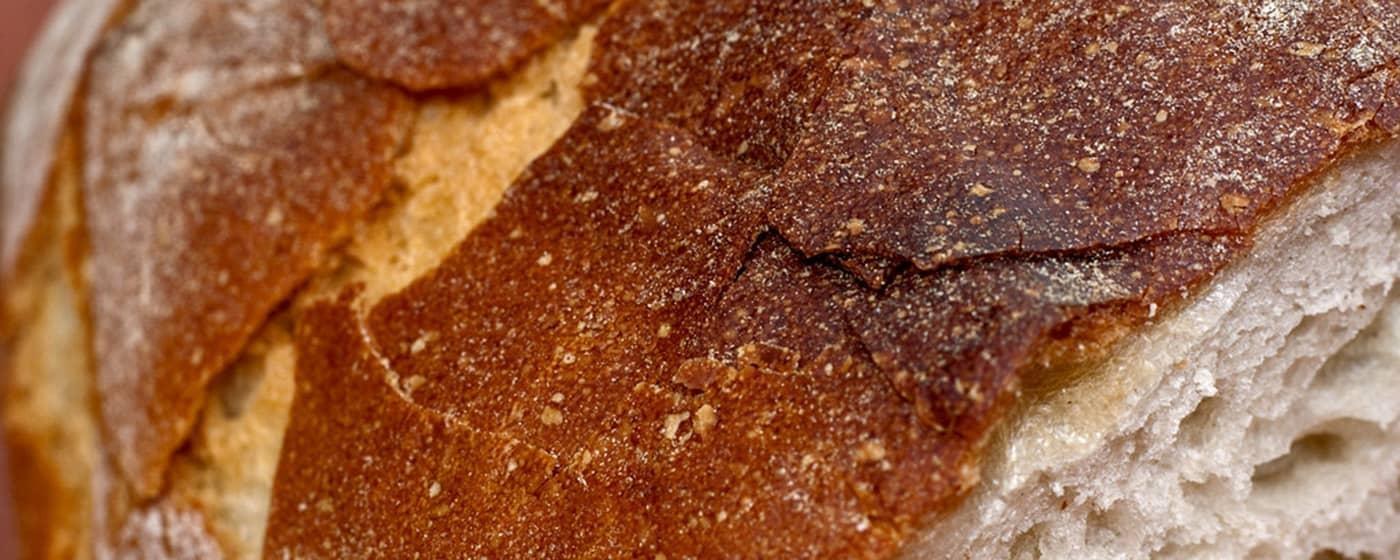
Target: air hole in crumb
point(1331, 554)
point(236, 388)
point(1204, 494)
point(1335, 371)
point(1198, 426)
point(1103, 524)
point(1027, 544)
point(1307, 327)
point(1309, 449)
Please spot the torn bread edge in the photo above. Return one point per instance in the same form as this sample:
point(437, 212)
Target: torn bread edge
point(1261, 420)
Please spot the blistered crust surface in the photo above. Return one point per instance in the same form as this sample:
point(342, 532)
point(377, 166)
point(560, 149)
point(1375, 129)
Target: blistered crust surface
point(432, 44)
point(224, 152)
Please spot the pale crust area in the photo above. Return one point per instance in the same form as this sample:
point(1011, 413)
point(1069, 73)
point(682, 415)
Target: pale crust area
point(226, 473)
point(48, 392)
point(464, 152)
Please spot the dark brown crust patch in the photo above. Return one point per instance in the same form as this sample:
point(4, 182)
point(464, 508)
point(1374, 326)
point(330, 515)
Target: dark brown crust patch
point(743, 77)
point(432, 44)
point(627, 226)
point(1073, 125)
point(560, 323)
point(224, 153)
point(406, 480)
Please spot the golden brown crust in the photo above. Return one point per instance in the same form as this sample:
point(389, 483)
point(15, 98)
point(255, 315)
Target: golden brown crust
point(669, 322)
point(766, 297)
point(220, 165)
point(44, 501)
point(46, 390)
point(615, 303)
point(433, 44)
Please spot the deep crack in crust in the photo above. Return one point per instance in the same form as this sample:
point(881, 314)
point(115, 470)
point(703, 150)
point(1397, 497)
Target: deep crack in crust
point(957, 215)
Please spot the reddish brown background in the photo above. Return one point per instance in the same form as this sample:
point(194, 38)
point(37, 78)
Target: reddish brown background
point(19, 22)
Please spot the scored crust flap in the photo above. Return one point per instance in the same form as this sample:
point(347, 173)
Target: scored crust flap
point(434, 44)
point(224, 153)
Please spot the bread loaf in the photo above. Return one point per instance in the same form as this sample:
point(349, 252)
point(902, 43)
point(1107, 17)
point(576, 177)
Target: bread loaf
point(694, 279)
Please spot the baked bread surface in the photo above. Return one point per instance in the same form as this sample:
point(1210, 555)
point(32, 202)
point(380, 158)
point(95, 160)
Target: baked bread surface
point(761, 278)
